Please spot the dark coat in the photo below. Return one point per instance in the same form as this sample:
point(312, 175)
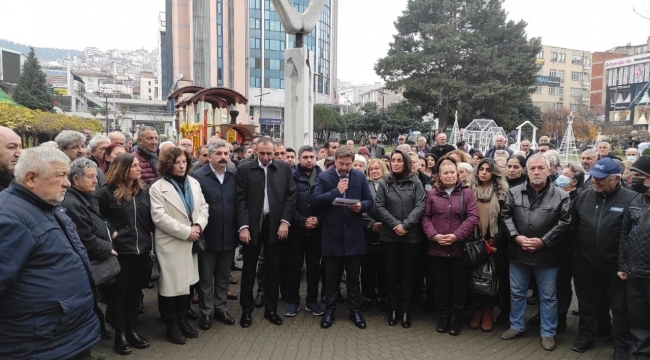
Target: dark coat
point(91, 226)
point(47, 295)
point(249, 197)
point(131, 220)
point(221, 231)
point(440, 151)
point(304, 210)
point(547, 216)
point(400, 203)
point(5, 179)
point(634, 250)
point(442, 215)
point(343, 229)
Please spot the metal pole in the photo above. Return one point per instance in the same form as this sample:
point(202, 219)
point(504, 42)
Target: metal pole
point(106, 111)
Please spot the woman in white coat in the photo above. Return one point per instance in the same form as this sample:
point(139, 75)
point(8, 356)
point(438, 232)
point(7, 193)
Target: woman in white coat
point(179, 213)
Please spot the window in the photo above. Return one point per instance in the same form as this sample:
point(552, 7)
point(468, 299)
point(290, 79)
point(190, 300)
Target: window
point(156, 82)
point(586, 78)
point(576, 92)
point(149, 82)
point(576, 59)
point(552, 90)
point(561, 57)
point(560, 90)
point(540, 55)
point(553, 56)
point(576, 75)
point(552, 72)
point(560, 74)
point(587, 62)
point(149, 90)
point(538, 90)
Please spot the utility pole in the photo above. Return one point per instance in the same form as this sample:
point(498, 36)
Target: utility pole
point(106, 111)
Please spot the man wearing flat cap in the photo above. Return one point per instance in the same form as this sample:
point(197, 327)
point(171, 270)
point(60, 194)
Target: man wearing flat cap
point(376, 150)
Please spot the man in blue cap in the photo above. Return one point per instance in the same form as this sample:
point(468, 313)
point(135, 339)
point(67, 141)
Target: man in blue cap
point(597, 217)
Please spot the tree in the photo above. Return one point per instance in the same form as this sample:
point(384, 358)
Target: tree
point(452, 53)
point(325, 121)
point(31, 90)
point(555, 122)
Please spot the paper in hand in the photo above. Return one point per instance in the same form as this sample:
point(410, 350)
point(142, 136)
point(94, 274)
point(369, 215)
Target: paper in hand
point(344, 202)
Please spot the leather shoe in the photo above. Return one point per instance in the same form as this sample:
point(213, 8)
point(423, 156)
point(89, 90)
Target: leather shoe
point(232, 296)
point(454, 326)
point(392, 318)
point(192, 315)
point(443, 325)
point(406, 321)
point(121, 345)
point(259, 300)
point(357, 319)
point(582, 345)
point(327, 320)
point(235, 267)
point(233, 281)
point(225, 318)
point(186, 328)
point(134, 338)
point(246, 320)
point(206, 322)
point(273, 317)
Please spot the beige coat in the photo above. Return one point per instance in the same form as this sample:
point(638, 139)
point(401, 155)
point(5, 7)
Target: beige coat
point(179, 267)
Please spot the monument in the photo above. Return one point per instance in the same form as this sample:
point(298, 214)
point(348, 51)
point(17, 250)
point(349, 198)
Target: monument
point(298, 73)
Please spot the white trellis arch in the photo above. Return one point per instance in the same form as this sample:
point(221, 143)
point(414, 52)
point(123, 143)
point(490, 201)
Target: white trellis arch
point(533, 142)
point(480, 134)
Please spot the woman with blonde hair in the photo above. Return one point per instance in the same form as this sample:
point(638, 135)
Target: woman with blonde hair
point(124, 202)
point(490, 190)
point(460, 156)
point(180, 213)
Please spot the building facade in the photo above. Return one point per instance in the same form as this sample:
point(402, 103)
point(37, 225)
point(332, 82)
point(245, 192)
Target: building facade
point(599, 81)
point(149, 86)
point(240, 45)
point(564, 79)
point(628, 90)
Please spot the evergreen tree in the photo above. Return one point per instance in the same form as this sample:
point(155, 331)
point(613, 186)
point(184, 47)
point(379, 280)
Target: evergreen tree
point(31, 90)
point(453, 54)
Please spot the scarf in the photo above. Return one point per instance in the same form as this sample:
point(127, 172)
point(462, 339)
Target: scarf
point(488, 195)
point(186, 197)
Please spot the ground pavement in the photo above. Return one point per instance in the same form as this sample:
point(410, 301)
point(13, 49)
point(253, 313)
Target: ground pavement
point(301, 337)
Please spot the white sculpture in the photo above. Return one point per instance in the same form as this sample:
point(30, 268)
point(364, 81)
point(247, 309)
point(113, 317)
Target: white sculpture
point(295, 22)
point(298, 73)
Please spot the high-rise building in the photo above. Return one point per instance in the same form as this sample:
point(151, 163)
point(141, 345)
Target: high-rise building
point(563, 80)
point(240, 44)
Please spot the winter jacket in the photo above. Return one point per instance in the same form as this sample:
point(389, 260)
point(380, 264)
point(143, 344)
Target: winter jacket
point(131, 220)
point(546, 216)
point(148, 166)
point(47, 295)
point(5, 179)
point(91, 226)
point(597, 219)
point(303, 203)
point(634, 249)
point(442, 216)
point(400, 203)
point(371, 217)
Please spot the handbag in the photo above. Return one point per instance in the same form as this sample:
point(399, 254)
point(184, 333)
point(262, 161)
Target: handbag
point(474, 250)
point(104, 270)
point(484, 280)
point(153, 267)
point(199, 245)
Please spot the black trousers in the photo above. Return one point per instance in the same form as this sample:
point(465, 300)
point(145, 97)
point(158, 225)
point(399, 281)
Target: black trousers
point(563, 285)
point(296, 251)
point(592, 280)
point(171, 306)
point(638, 306)
point(450, 278)
point(272, 254)
point(373, 273)
point(124, 295)
point(334, 266)
point(400, 274)
point(420, 262)
point(503, 272)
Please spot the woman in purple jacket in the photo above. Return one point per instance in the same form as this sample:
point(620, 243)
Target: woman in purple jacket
point(446, 228)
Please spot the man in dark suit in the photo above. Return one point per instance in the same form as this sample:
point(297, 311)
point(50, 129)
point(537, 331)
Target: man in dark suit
point(218, 185)
point(343, 240)
point(265, 202)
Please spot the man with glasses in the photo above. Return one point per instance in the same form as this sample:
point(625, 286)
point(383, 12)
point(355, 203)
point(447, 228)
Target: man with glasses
point(72, 143)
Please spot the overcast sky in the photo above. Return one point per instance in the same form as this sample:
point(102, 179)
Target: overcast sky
point(592, 25)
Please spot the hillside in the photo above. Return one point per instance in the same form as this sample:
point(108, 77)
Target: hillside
point(43, 54)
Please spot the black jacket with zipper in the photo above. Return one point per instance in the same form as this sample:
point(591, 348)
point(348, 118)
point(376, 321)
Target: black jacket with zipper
point(596, 222)
point(131, 220)
point(634, 249)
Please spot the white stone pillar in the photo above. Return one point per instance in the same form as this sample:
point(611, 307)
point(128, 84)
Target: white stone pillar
point(298, 98)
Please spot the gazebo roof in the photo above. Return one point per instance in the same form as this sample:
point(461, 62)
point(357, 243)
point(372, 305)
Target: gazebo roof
point(231, 97)
point(192, 89)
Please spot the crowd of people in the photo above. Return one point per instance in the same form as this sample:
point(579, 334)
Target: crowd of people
point(397, 227)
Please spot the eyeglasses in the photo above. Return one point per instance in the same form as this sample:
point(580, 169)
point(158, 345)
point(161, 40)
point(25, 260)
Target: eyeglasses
point(76, 147)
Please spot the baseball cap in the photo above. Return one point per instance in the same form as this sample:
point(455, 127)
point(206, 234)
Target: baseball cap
point(603, 168)
point(373, 136)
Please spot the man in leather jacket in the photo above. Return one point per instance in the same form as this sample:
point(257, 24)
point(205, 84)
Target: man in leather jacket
point(596, 218)
point(536, 215)
point(634, 259)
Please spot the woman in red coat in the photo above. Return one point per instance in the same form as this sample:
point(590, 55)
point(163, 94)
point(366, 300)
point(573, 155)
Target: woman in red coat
point(446, 228)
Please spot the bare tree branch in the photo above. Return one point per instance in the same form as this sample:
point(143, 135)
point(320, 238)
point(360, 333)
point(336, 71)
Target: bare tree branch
point(643, 16)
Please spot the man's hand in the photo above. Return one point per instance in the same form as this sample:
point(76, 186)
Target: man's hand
point(356, 207)
point(283, 231)
point(343, 185)
point(533, 244)
point(113, 235)
point(244, 236)
point(399, 230)
point(520, 240)
point(376, 227)
point(113, 252)
point(622, 275)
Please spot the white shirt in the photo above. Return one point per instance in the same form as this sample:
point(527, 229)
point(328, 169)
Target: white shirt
point(265, 208)
point(221, 177)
